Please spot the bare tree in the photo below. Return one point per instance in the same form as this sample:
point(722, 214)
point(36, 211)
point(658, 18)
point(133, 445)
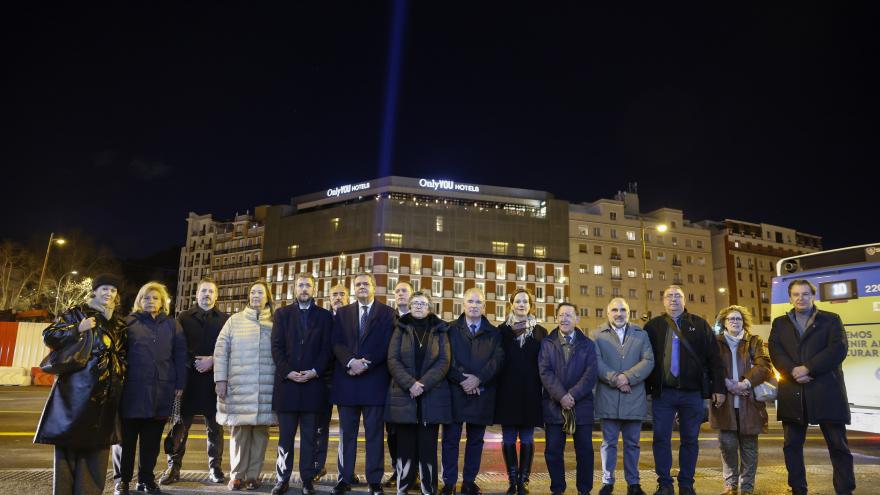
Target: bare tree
point(19, 271)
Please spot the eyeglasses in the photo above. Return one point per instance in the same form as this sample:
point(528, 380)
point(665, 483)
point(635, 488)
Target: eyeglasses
point(673, 296)
point(733, 319)
point(418, 304)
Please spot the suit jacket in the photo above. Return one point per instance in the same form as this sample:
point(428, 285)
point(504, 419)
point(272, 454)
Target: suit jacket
point(822, 350)
point(576, 377)
point(370, 387)
point(298, 348)
point(201, 329)
point(480, 355)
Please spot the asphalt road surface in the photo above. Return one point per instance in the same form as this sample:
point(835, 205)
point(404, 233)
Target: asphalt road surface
point(26, 468)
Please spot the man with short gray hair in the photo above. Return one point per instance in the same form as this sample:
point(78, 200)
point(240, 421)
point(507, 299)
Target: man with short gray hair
point(625, 360)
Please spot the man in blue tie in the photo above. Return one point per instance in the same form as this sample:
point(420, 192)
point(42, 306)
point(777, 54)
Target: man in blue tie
point(687, 369)
point(476, 360)
point(361, 334)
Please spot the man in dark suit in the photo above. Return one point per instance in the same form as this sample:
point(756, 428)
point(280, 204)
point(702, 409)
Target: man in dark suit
point(361, 335)
point(808, 346)
point(300, 347)
point(338, 299)
point(201, 325)
point(477, 356)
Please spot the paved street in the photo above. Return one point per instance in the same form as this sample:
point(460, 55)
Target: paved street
point(25, 468)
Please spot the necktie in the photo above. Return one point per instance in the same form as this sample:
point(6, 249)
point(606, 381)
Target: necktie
point(673, 362)
point(473, 330)
point(568, 339)
point(304, 318)
point(363, 326)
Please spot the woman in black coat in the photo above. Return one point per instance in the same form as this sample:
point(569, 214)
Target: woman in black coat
point(80, 415)
point(518, 403)
point(419, 399)
point(157, 359)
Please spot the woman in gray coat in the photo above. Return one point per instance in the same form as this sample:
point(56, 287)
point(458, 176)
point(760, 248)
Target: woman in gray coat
point(625, 360)
point(419, 399)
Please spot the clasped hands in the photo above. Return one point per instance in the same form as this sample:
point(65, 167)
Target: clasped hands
point(738, 388)
point(301, 376)
point(358, 366)
point(622, 383)
point(801, 374)
point(470, 384)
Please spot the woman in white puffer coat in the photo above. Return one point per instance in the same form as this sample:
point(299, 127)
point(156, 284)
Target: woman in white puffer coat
point(244, 374)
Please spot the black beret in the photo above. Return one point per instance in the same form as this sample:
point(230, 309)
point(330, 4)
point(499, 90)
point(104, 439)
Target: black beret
point(106, 279)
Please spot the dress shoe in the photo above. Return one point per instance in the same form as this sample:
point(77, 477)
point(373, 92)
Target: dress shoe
point(169, 476)
point(148, 486)
point(391, 482)
point(280, 488)
point(635, 489)
point(121, 488)
point(376, 489)
point(216, 475)
point(606, 489)
point(252, 484)
point(321, 474)
point(448, 489)
point(234, 484)
point(686, 490)
point(308, 488)
point(470, 488)
point(665, 490)
point(340, 488)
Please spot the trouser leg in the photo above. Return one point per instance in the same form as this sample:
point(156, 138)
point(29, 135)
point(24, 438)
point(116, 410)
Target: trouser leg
point(123, 453)
point(374, 429)
point(631, 451)
point(793, 450)
point(349, 424)
point(287, 426)
point(238, 451)
point(608, 450)
point(391, 441)
point(449, 456)
point(150, 441)
point(844, 479)
point(64, 471)
point(748, 448)
point(406, 462)
point(307, 430)
point(473, 452)
point(554, 455)
point(583, 448)
point(175, 442)
point(322, 437)
point(427, 454)
point(690, 415)
point(728, 442)
point(216, 441)
point(664, 415)
point(259, 443)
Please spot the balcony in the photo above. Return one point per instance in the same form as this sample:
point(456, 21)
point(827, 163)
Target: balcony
point(615, 257)
point(252, 247)
point(676, 262)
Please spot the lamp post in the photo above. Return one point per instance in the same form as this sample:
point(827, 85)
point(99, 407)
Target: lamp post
point(52, 239)
point(660, 228)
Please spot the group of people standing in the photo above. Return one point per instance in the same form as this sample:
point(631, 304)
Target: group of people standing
point(406, 372)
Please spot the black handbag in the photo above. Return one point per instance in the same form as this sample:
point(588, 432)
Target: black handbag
point(73, 357)
point(705, 379)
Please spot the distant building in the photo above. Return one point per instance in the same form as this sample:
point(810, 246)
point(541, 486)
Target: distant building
point(745, 256)
point(609, 259)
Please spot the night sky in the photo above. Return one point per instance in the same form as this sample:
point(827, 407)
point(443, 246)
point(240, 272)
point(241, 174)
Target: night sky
point(119, 121)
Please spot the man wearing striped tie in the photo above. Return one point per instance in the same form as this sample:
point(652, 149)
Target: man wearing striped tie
point(687, 369)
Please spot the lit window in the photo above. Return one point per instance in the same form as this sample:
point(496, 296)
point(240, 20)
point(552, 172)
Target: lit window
point(437, 287)
point(520, 249)
point(481, 269)
point(539, 293)
point(499, 247)
point(458, 289)
point(540, 252)
point(438, 223)
point(393, 240)
point(499, 291)
point(500, 270)
point(631, 273)
point(520, 272)
point(392, 283)
point(415, 264)
point(292, 249)
point(499, 312)
point(437, 266)
point(598, 269)
point(393, 264)
point(630, 235)
point(335, 223)
point(539, 273)
point(458, 268)
point(615, 271)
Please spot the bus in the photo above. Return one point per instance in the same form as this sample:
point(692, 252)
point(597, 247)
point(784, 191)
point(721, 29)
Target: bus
point(848, 283)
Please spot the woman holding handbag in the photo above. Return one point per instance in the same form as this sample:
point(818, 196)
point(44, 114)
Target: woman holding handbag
point(80, 415)
point(741, 418)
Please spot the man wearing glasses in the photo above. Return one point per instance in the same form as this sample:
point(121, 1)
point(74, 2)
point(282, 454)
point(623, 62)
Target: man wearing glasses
point(687, 369)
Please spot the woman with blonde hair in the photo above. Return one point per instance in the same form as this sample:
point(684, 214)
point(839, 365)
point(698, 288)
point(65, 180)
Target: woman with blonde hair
point(741, 418)
point(244, 376)
point(157, 359)
point(518, 403)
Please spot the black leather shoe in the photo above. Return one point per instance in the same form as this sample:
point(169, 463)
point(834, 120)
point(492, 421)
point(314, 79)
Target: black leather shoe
point(216, 475)
point(448, 489)
point(376, 489)
point(308, 488)
point(470, 488)
point(606, 489)
point(121, 488)
point(635, 489)
point(686, 490)
point(340, 488)
point(280, 488)
point(665, 490)
point(169, 476)
point(148, 486)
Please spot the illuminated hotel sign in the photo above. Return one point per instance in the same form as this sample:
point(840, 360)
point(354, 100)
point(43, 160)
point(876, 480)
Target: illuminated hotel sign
point(347, 189)
point(447, 185)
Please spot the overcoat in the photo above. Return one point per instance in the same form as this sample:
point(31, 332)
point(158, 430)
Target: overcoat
point(201, 329)
point(635, 359)
point(299, 348)
point(752, 413)
point(576, 377)
point(518, 402)
point(480, 355)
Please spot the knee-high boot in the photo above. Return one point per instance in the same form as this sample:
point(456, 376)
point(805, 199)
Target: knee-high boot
point(526, 455)
point(510, 462)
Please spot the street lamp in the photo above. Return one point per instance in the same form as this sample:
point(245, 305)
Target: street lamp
point(660, 228)
point(52, 239)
